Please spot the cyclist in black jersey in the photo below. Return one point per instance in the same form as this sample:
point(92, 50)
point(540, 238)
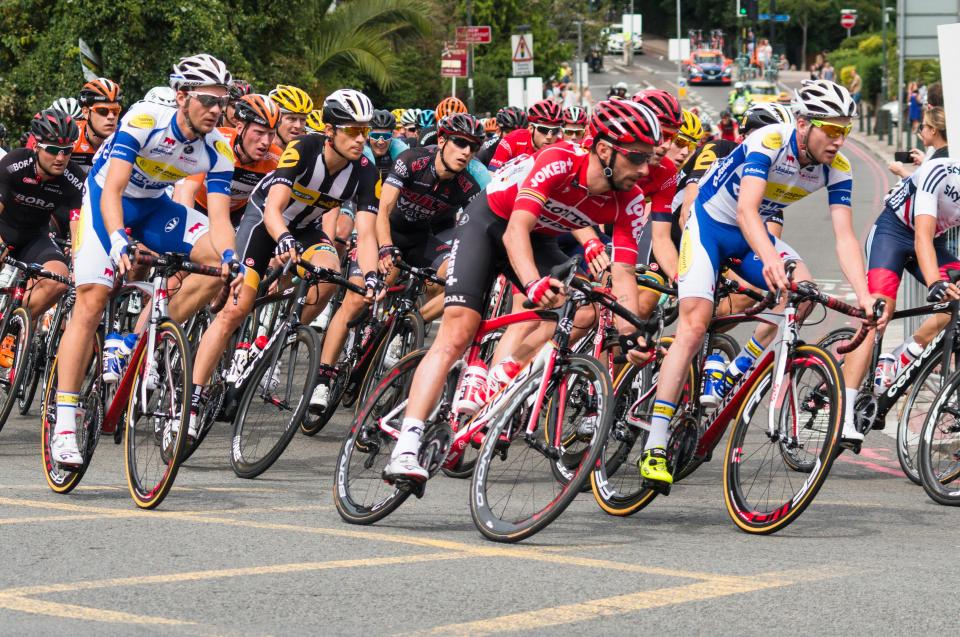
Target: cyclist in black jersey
point(509, 119)
point(418, 206)
point(37, 186)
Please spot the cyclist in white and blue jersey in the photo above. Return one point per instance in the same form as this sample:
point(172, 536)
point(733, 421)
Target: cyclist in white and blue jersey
point(127, 187)
point(776, 166)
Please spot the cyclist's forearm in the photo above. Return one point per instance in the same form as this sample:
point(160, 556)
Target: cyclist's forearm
point(277, 200)
point(388, 201)
point(625, 290)
point(663, 249)
point(516, 239)
point(366, 241)
point(221, 229)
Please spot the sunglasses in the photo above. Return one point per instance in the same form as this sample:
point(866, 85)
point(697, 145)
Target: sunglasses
point(460, 142)
point(667, 135)
point(637, 158)
point(355, 131)
point(380, 136)
point(549, 130)
point(55, 150)
point(833, 131)
point(208, 100)
point(574, 132)
point(684, 142)
point(411, 129)
point(103, 111)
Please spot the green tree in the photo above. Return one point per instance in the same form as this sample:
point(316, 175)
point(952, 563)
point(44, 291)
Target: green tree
point(802, 13)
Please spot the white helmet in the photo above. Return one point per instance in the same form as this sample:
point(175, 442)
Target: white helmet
point(739, 85)
point(162, 96)
point(823, 98)
point(199, 70)
point(68, 106)
point(347, 105)
point(409, 117)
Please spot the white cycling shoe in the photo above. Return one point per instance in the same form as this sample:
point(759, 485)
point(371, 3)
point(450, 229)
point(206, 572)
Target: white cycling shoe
point(850, 433)
point(320, 399)
point(406, 466)
point(64, 450)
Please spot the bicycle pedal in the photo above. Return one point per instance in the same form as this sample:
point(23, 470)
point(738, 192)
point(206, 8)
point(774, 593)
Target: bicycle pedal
point(851, 445)
point(659, 487)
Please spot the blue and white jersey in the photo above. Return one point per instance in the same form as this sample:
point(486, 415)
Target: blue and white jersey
point(148, 137)
point(933, 190)
point(771, 153)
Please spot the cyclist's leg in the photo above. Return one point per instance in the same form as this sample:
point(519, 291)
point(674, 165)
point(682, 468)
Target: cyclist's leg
point(935, 323)
point(352, 306)
point(44, 292)
point(322, 253)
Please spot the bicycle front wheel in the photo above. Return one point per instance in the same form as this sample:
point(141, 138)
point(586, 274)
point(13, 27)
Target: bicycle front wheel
point(515, 492)
point(922, 394)
point(939, 453)
point(14, 359)
point(764, 489)
point(406, 335)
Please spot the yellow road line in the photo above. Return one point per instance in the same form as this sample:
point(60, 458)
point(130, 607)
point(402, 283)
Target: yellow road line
point(62, 518)
point(71, 611)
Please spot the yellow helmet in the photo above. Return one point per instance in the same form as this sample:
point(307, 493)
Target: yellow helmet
point(398, 113)
point(314, 122)
point(691, 128)
point(291, 99)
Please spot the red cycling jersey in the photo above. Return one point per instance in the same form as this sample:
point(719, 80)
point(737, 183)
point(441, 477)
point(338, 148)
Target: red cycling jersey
point(519, 142)
point(551, 184)
point(660, 186)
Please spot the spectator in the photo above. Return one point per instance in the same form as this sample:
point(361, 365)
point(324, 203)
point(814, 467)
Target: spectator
point(915, 111)
point(933, 136)
point(935, 95)
point(922, 93)
point(855, 85)
point(828, 73)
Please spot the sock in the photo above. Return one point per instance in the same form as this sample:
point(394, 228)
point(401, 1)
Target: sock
point(663, 411)
point(850, 396)
point(409, 440)
point(197, 399)
point(66, 412)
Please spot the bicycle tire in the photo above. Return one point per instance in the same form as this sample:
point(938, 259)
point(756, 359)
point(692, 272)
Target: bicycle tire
point(248, 432)
point(31, 381)
point(12, 378)
point(410, 328)
point(834, 338)
point(914, 412)
point(765, 518)
point(216, 388)
point(941, 435)
point(154, 440)
point(510, 421)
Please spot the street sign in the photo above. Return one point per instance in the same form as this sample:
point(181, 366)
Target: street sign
point(453, 61)
point(848, 20)
point(474, 35)
point(781, 17)
point(522, 47)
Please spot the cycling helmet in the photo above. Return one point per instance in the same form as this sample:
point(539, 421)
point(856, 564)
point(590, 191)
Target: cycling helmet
point(291, 99)
point(691, 128)
point(239, 88)
point(398, 114)
point(575, 115)
point(624, 122)
point(346, 106)
point(512, 118)
point(99, 90)
point(67, 105)
point(257, 109)
point(461, 125)
point(449, 106)
point(664, 104)
point(620, 86)
point(490, 125)
point(545, 112)
point(823, 98)
point(314, 123)
point(162, 96)
point(383, 120)
point(53, 126)
point(409, 117)
point(764, 114)
point(426, 119)
point(199, 70)
point(739, 85)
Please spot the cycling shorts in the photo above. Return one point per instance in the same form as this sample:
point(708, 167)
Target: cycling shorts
point(160, 223)
point(707, 244)
point(891, 250)
point(420, 247)
point(31, 246)
point(478, 249)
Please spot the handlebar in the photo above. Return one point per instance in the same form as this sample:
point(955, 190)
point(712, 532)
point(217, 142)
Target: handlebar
point(330, 276)
point(427, 274)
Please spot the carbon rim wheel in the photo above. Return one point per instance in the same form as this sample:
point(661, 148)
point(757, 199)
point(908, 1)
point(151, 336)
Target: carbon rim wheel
point(939, 453)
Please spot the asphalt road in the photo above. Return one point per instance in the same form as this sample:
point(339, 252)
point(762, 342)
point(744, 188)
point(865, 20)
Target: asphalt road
point(224, 556)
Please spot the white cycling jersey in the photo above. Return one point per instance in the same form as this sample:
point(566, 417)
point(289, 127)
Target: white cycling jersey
point(933, 190)
point(771, 153)
point(148, 137)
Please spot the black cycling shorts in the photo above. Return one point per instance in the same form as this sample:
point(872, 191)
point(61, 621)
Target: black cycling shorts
point(34, 246)
point(477, 256)
point(421, 247)
point(256, 247)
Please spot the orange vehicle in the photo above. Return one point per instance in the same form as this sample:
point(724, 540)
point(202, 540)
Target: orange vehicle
point(708, 66)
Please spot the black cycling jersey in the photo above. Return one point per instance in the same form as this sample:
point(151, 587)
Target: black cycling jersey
point(428, 136)
point(28, 202)
point(315, 190)
point(489, 147)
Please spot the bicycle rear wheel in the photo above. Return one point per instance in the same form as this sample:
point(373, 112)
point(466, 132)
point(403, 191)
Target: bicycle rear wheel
point(33, 373)
point(514, 492)
point(763, 489)
point(16, 334)
point(269, 412)
point(939, 453)
point(156, 430)
point(922, 394)
point(406, 335)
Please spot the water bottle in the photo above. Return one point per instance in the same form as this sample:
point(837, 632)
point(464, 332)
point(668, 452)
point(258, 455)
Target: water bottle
point(883, 375)
point(713, 385)
point(7, 275)
point(472, 391)
point(239, 361)
point(258, 346)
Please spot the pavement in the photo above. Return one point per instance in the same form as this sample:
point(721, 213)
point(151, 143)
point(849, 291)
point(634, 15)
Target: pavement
point(270, 556)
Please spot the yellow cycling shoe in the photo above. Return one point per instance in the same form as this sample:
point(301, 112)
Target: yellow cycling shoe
point(653, 466)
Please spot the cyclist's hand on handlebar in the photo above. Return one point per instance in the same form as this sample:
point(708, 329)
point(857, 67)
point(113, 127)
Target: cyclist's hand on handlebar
point(543, 292)
point(288, 248)
point(869, 305)
point(375, 288)
point(635, 348)
point(595, 254)
point(232, 270)
point(120, 252)
point(775, 274)
point(387, 254)
point(942, 290)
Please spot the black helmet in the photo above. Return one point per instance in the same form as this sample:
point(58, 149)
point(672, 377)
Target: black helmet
point(383, 119)
point(238, 88)
point(764, 114)
point(461, 125)
point(511, 118)
point(50, 126)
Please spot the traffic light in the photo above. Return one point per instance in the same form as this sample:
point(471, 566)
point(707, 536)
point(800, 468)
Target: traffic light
point(749, 9)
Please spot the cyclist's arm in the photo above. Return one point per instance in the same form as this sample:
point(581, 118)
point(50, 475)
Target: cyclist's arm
point(328, 223)
point(111, 199)
point(516, 239)
point(924, 229)
point(389, 194)
point(690, 192)
point(663, 249)
point(366, 217)
point(850, 255)
point(277, 199)
point(625, 289)
point(186, 190)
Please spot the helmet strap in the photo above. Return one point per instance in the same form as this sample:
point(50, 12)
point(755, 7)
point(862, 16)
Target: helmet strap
point(442, 155)
point(811, 160)
point(334, 148)
point(186, 116)
point(608, 168)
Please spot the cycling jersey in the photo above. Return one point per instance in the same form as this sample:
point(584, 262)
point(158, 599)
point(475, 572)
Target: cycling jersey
point(83, 150)
point(245, 177)
point(428, 137)
point(519, 142)
point(728, 130)
point(933, 190)
point(771, 153)
point(29, 203)
point(659, 186)
point(148, 137)
point(426, 201)
point(487, 149)
point(551, 184)
point(314, 190)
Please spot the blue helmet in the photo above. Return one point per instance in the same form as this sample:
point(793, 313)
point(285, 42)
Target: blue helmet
point(426, 119)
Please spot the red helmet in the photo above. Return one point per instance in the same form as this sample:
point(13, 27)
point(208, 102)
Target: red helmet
point(624, 122)
point(575, 115)
point(545, 112)
point(664, 104)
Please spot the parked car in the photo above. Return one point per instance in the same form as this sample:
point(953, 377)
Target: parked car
point(761, 91)
point(614, 39)
point(708, 66)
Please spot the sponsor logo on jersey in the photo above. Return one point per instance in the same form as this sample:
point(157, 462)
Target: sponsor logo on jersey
point(20, 165)
point(224, 150)
point(840, 163)
point(188, 150)
point(559, 167)
point(158, 171)
point(400, 168)
point(290, 156)
point(773, 141)
point(142, 120)
point(27, 200)
point(172, 224)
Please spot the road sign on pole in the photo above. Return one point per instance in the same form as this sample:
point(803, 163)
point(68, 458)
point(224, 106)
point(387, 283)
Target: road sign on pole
point(848, 20)
point(522, 47)
point(453, 61)
point(474, 35)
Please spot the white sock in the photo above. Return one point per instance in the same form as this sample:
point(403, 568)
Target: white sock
point(66, 412)
point(409, 440)
point(850, 396)
point(663, 411)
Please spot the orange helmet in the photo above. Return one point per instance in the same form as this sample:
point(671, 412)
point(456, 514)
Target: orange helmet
point(490, 125)
point(449, 106)
point(257, 109)
point(99, 90)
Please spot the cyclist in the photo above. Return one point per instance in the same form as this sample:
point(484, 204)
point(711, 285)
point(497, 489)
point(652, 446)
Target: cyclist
point(295, 105)
point(512, 229)
point(776, 166)
point(238, 88)
point(739, 92)
point(508, 120)
point(153, 147)
point(314, 123)
point(68, 106)
point(618, 91)
point(545, 124)
point(418, 205)
point(100, 105)
point(408, 122)
point(490, 128)
point(426, 127)
point(727, 126)
point(289, 209)
point(161, 96)
point(449, 106)
point(37, 186)
point(574, 124)
point(255, 152)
